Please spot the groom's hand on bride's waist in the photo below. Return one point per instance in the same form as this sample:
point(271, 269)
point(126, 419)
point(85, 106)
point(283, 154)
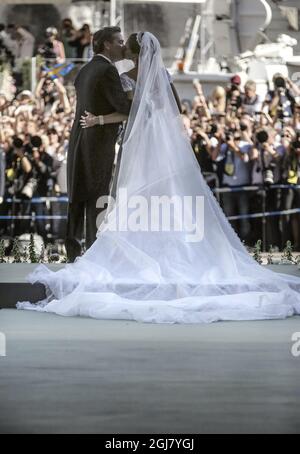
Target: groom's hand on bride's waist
point(88, 120)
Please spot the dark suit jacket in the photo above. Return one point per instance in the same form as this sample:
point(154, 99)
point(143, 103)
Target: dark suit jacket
point(91, 151)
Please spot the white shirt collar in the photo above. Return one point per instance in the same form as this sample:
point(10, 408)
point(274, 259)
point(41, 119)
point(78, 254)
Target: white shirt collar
point(106, 58)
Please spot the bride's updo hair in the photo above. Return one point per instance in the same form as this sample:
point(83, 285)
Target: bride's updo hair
point(133, 43)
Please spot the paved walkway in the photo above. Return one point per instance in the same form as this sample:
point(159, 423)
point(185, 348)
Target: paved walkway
point(75, 375)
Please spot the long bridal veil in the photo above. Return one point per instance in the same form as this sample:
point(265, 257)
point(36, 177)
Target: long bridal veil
point(165, 251)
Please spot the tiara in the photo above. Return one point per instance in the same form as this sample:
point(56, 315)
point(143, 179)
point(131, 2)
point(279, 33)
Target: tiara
point(139, 37)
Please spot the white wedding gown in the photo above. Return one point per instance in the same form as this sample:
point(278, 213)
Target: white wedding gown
point(162, 276)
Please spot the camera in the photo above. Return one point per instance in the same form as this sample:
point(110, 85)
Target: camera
point(229, 133)
point(268, 172)
point(17, 142)
point(262, 136)
point(200, 140)
point(29, 188)
point(296, 144)
point(36, 141)
point(213, 129)
point(279, 82)
point(47, 51)
point(269, 175)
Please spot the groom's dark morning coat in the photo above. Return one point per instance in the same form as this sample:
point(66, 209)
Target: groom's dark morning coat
point(91, 150)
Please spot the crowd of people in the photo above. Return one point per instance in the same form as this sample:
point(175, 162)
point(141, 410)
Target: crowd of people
point(34, 133)
point(18, 43)
point(243, 141)
point(239, 139)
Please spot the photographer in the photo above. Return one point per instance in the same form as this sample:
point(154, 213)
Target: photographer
point(281, 100)
point(81, 41)
point(203, 148)
point(246, 126)
point(265, 159)
point(291, 196)
point(5, 54)
point(251, 102)
point(21, 185)
point(21, 166)
point(26, 42)
point(5, 164)
point(68, 33)
point(234, 158)
point(52, 50)
point(42, 172)
point(266, 168)
point(51, 95)
point(234, 97)
point(45, 94)
point(59, 226)
point(8, 46)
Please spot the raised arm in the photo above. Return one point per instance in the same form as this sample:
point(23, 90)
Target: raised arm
point(63, 97)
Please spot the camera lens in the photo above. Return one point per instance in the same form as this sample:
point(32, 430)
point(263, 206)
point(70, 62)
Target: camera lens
point(279, 82)
point(262, 136)
point(269, 177)
point(36, 141)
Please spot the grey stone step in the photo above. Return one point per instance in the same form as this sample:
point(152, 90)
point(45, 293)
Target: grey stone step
point(14, 286)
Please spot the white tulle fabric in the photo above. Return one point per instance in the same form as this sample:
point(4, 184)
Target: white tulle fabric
point(155, 276)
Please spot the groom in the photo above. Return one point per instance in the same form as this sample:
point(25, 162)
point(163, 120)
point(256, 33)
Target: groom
point(92, 150)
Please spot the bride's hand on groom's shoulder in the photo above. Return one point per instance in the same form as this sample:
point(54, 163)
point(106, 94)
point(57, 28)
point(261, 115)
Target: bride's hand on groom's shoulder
point(88, 120)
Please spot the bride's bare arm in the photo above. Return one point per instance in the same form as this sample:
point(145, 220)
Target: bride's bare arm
point(114, 118)
point(88, 120)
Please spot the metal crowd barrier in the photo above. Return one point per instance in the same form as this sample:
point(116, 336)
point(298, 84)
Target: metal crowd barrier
point(35, 216)
point(263, 214)
point(255, 188)
point(38, 200)
point(64, 199)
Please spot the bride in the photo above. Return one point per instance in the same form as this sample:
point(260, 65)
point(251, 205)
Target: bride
point(165, 252)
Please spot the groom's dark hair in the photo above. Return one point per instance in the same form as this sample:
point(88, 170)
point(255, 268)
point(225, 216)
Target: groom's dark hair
point(105, 34)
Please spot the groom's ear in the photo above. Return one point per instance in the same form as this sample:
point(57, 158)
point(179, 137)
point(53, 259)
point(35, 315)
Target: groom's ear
point(106, 45)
